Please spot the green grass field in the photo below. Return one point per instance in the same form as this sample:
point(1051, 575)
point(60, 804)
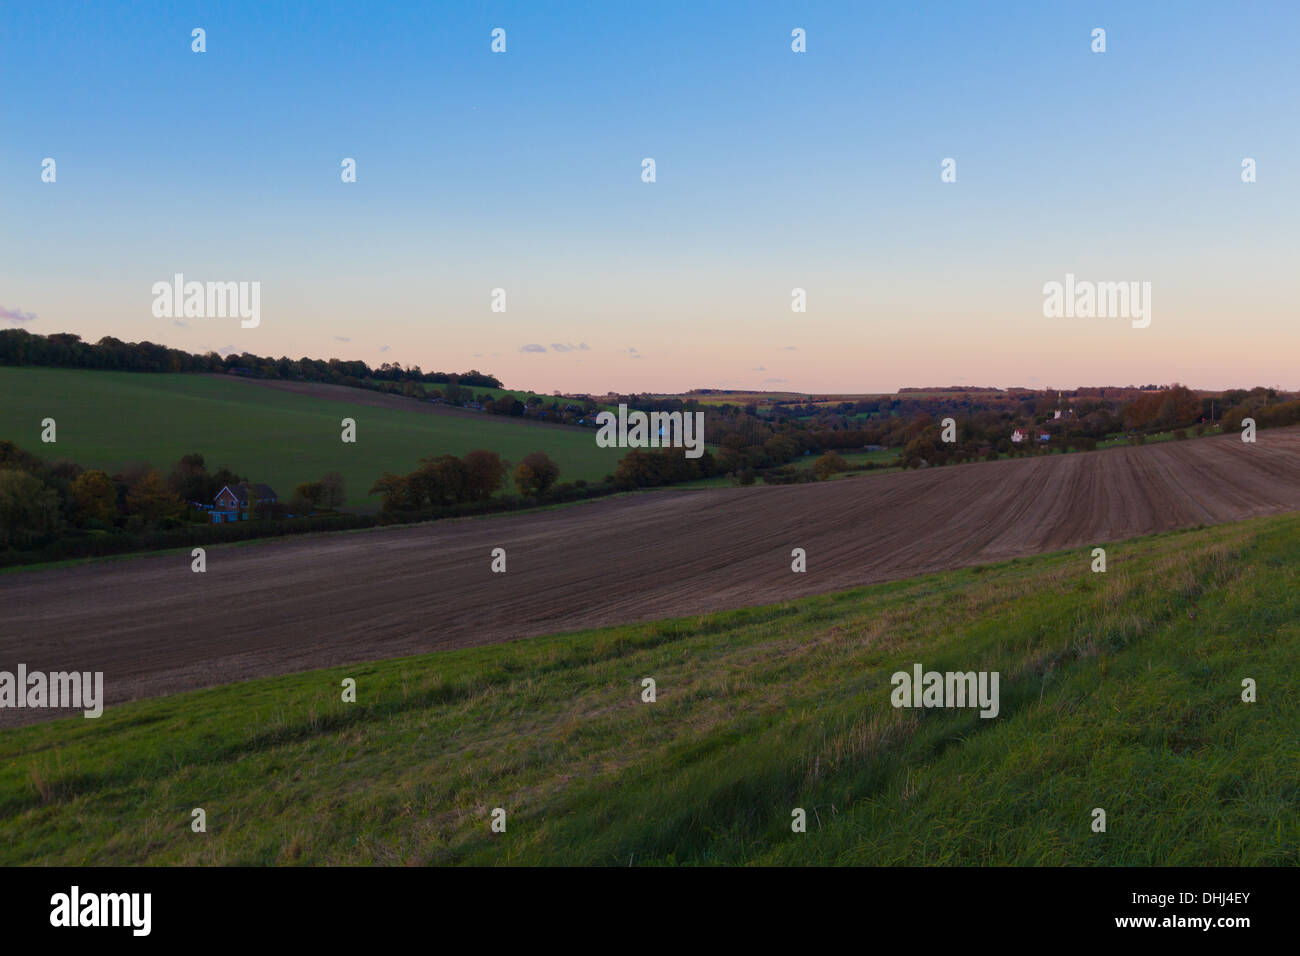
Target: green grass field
point(1119, 690)
point(110, 419)
point(804, 462)
point(852, 457)
point(522, 395)
point(1121, 440)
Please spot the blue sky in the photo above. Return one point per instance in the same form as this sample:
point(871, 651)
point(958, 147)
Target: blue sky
point(774, 170)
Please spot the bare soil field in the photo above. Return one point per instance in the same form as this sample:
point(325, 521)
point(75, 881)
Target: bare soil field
point(154, 627)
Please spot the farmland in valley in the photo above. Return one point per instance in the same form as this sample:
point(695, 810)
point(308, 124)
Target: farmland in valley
point(155, 628)
point(278, 435)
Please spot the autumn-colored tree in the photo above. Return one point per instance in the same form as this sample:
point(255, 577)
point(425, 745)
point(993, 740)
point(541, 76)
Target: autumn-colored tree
point(919, 451)
point(309, 493)
point(1177, 405)
point(650, 469)
point(17, 459)
point(396, 490)
point(151, 499)
point(829, 464)
point(484, 471)
point(454, 394)
point(438, 481)
point(95, 496)
point(332, 494)
point(190, 479)
point(536, 473)
point(635, 470)
point(28, 508)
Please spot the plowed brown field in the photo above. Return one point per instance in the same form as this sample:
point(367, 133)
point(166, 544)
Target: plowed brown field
point(154, 627)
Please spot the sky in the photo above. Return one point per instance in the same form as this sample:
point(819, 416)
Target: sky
point(774, 170)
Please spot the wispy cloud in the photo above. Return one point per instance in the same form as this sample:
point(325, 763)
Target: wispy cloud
point(789, 348)
point(16, 316)
point(179, 324)
point(555, 347)
point(341, 338)
point(383, 348)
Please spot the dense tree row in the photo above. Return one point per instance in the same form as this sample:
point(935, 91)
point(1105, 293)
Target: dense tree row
point(761, 441)
point(66, 350)
point(447, 480)
point(654, 467)
point(39, 499)
point(441, 481)
point(1265, 415)
point(42, 500)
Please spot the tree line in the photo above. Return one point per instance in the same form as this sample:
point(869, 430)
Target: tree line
point(41, 500)
point(450, 480)
point(67, 350)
